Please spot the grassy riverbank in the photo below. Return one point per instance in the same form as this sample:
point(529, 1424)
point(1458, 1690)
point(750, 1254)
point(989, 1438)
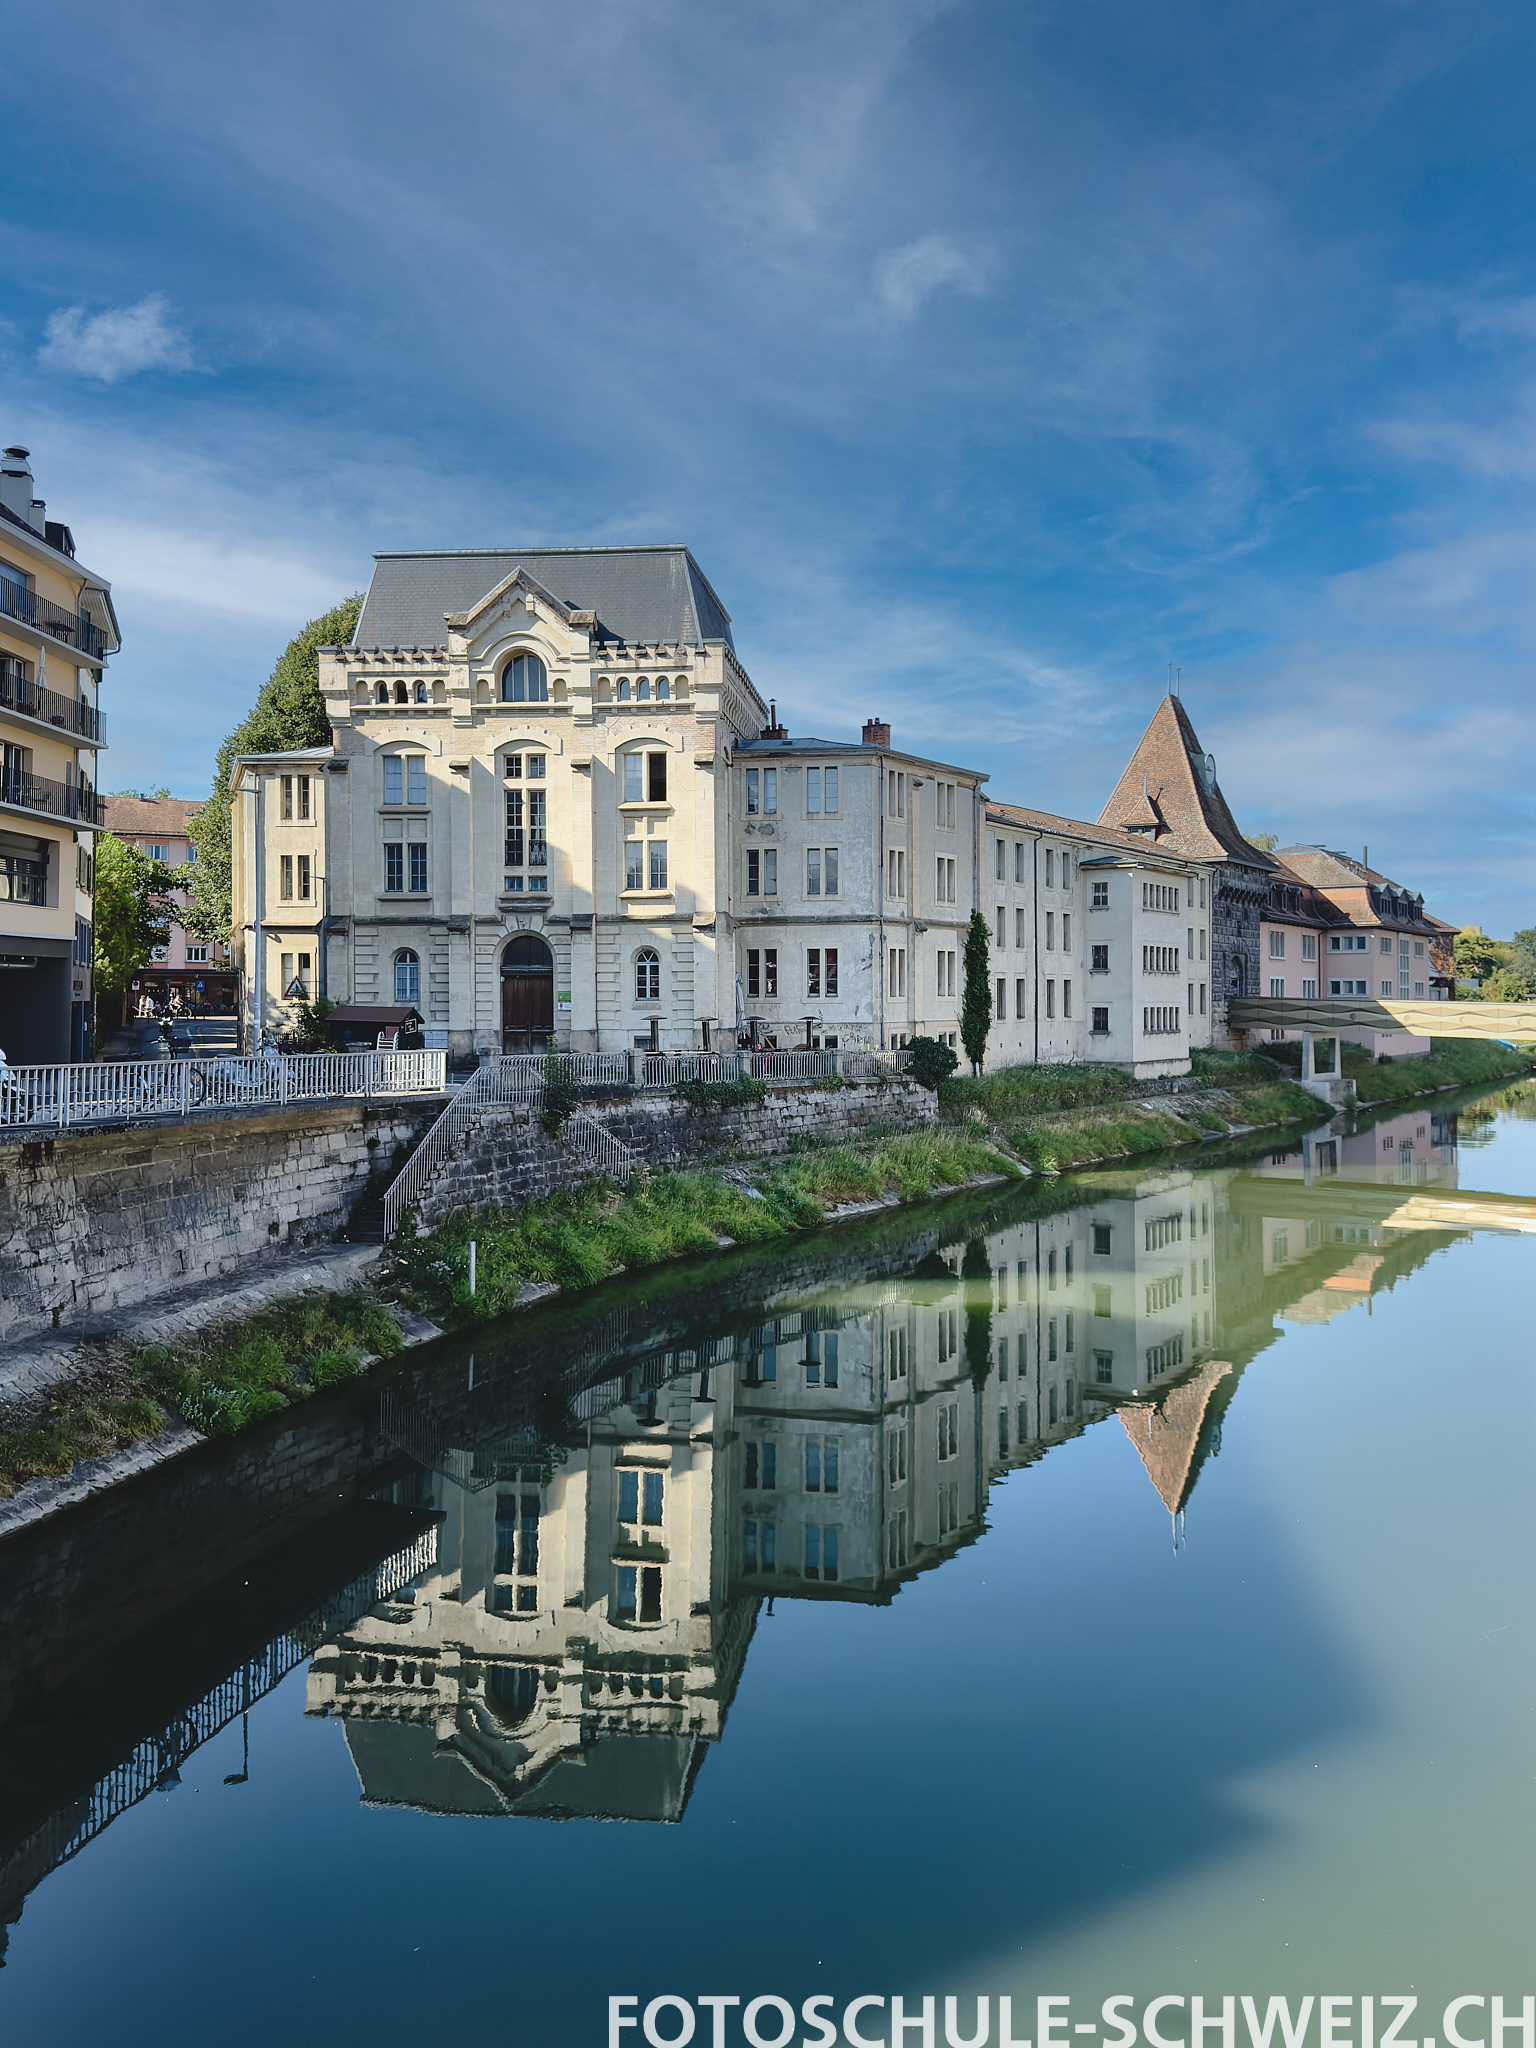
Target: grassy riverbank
point(1060, 1117)
point(1449, 1063)
point(219, 1381)
point(581, 1238)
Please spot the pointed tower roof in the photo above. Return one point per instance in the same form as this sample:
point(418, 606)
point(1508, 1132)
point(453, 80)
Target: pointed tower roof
point(1167, 1436)
point(1169, 795)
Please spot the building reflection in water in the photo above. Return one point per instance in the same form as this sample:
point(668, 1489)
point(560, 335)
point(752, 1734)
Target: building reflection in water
point(575, 1646)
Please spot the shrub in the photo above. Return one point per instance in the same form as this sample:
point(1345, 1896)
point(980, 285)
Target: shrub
point(714, 1098)
point(562, 1093)
point(931, 1062)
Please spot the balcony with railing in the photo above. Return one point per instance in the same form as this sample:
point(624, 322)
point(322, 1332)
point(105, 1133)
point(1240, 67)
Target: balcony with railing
point(18, 692)
point(76, 801)
point(72, 628)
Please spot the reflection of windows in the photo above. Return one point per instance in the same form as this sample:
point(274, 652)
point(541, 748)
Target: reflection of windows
point(821, 1360)
point(517, 1551)
point(898, 1360)
point(757, 1547)
point(821, 1464)
point(762, 1467)
point(896, 1541)
point(1104, 1367)
point(949, 1429)
point(820, 1552)
point(896, 1457)
point(949, 1340)
point(638, 1584)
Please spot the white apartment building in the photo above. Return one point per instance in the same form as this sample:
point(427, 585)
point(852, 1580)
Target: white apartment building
point(1100, 944)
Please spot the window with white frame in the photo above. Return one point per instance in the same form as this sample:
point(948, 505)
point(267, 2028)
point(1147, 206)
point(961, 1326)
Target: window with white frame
point(407, 976)
point(647, 975)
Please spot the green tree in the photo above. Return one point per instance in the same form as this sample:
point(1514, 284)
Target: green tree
point(1511, 984)
point(976, 1272)
point(1476, 954)
point(1266, 842)
point(131, 913)
point(932, 1062)
point(976, 1002)
point(290, 712)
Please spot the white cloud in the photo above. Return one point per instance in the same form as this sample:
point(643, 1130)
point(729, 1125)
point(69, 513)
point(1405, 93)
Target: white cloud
point(114, 344)
point(905, 277)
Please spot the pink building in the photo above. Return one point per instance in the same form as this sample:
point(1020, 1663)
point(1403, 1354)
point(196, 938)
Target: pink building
point(187, 972)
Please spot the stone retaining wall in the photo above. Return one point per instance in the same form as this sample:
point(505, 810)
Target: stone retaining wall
point(99, 1220)
point(509, 1159)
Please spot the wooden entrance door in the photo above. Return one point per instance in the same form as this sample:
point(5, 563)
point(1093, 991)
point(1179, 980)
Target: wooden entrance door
point(527, 995)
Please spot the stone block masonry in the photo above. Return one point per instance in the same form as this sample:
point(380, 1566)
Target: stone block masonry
point(101, 1220)
point(509, 1159)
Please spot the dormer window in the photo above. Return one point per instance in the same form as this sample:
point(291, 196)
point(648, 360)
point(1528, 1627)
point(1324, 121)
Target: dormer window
point(525, 680)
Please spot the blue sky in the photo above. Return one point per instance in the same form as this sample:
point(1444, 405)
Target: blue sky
point(989, 357)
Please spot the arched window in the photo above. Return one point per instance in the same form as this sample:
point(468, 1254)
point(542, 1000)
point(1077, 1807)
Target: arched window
point(383, 693)
point(663, 688)
point(511, 1690)
point(421, 693)
point(407, 977)
point(643, 689)
point(402, 695)
point(623, 689)
point(647, 976)
point(525, 681)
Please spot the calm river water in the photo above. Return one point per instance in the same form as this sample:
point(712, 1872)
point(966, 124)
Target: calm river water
point(1119, 1585)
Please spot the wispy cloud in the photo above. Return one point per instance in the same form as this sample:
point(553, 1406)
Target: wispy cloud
point(115, 344)
point(907, 277)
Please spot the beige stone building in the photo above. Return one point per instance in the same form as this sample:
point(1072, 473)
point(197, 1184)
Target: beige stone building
point(57, 631)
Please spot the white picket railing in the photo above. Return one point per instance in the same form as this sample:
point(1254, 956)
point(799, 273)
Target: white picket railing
point(58, 1097)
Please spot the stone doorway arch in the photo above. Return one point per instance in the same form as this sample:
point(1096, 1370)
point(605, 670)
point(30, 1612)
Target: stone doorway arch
point(527, 995)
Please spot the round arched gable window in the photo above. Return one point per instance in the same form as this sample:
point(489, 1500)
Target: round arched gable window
point(407, 976)
point(647, 975)
point(525, 680)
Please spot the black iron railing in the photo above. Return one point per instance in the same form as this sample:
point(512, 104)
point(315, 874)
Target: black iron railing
point(73, 628)
point(19, 693)
point(75, 800)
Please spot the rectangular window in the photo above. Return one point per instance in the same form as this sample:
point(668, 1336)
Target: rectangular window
point(770, 790)
point(1308, 989)
point(1050, 999)
point(195, 955)
point(1202, 989)
point(829, 870)
point(813, 792)
point(394, 869)
point(634, 863)
point(653, 1490)
point(1001, 936)
point(754, 972)
point(538, 845)
point(1386, 988)
point(829, 788)
point(821, 1464)
point(1002, 999)
point(754, 872)
point(629, 1496)
point(813, 971)
point(634, 787)
point(1050, 867)
point(1019, 987)
point(770, 970)
point(770, 872)
point(1100, 1019)
point(512, 767)
point(303, 877)
point(1066, 999)
point(1101, 959)
point(656, 779)
point(1277, 945)
point(1386, 945)
point(813, 871)
point(415, 779)
point(1002, 855)
point(285, 877)
point(1308, 946)
point(514, 834)
point(831, 988)
point(303, 795)
point(1050, 931)
point(820, 1553)
point(394, 779)
point(658, 852)
point(285, 785)
point(419, 870)
point(286, 972)
point(1066, 931)
point(1101, 895)
point(1277, 984)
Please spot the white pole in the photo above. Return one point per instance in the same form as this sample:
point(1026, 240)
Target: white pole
point(471, 1265)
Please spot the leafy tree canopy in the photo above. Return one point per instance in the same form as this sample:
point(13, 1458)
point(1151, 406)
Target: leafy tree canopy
point(290, 712)
point(1266, 842)
point(132, 911)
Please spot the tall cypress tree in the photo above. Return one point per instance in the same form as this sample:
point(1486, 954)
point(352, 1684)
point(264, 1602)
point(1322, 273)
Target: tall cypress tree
point(976, 1004)
point(290, 712)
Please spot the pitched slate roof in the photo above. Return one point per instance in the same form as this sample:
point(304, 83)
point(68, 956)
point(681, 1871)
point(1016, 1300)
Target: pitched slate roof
point(645, 595)
point(1170, 788)
point(1130, 844)
point(1348, 883)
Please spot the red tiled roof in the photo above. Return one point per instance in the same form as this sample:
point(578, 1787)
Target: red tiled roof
point(1163, 786)
point(149, 817)
point(1028, 820)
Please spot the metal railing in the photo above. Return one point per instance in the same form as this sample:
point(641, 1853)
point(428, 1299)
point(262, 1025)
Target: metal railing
point(594, 1142)
point(70, 627)
point(42, 793)
point(120, 1091)
point(484, 1089)
point(18, 692)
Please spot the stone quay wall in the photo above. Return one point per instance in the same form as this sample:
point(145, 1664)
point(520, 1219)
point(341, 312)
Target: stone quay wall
point(509, 1159)
point(93, 1221)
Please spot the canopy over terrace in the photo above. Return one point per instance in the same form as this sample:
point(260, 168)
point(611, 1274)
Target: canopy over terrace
point(1327, 1016)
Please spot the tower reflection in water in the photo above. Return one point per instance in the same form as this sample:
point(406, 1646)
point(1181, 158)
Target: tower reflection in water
point(574, 1646)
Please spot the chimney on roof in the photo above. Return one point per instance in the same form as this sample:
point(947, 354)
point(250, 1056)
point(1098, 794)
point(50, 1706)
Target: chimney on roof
point(876, 733)
point(16, 488)
point(773, 730)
